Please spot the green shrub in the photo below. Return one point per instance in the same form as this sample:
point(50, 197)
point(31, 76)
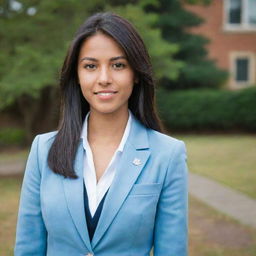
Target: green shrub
point(208, 109)
point(11, 136)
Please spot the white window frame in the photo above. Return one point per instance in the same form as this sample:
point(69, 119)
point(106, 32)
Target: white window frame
point(234, 84)
point(244, 26)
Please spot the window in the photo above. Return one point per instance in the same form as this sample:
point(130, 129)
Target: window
point(242, 69)
point(235, 10)
point(240, 14)
point(252, 12)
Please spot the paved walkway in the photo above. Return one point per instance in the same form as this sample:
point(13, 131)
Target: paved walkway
point(224, 199)
point(220, 197)
point(12, 168)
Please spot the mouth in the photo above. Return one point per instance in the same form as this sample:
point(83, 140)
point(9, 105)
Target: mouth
point(104, 93)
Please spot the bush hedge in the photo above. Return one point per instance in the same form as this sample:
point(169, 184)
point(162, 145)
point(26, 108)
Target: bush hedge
point(204, 110)
point(11, 136)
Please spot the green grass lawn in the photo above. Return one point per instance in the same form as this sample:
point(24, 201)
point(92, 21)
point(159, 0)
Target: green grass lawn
point(9, 197)
point(13, 155)
point(229, 159)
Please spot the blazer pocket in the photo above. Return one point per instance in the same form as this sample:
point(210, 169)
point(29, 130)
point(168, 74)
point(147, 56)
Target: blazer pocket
point(145, 189)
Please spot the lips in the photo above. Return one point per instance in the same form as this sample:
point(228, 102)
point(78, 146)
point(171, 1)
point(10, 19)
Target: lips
point(105, 95)
point(105, 92)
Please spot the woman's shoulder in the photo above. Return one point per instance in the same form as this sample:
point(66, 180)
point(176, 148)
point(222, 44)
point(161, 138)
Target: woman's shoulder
point(44, 141)
point(162, 139)
point(166, 147)
point(46, 137)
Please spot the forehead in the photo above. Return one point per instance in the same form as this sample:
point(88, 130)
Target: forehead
point(99, 46)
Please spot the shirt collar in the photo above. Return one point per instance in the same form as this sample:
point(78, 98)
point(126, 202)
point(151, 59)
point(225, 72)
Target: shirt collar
point(123, 140)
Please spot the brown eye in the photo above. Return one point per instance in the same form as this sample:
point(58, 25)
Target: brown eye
point(90, 66)
point(119, 65)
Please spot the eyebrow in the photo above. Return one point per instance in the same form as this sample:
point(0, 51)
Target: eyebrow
point(95, 60)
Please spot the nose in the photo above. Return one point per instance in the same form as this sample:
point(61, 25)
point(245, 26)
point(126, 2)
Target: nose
point(104, 77)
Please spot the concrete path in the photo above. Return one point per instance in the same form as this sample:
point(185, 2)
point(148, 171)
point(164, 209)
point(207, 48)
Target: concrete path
point(216, 195)
point(12, 168)
point(224, 199)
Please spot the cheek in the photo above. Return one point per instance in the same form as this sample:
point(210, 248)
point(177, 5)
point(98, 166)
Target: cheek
point(130, 86)
point(130, 89)
point(86, 83)
point(87, 92)
point(127, 82)
point(127, 92)
point(85, 78)
point(84, 87)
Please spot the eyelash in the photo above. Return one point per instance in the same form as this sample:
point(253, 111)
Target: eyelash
point(89, 66)
point(121, 65)
point(93, 66)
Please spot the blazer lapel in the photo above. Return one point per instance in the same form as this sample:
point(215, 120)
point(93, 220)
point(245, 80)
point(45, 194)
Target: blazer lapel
point(133, 159)
point(74, 195)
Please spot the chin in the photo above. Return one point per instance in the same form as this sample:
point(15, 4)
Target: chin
point(106, 110)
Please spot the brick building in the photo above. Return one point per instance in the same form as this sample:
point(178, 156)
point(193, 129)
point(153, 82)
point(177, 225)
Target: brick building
point(231, 27)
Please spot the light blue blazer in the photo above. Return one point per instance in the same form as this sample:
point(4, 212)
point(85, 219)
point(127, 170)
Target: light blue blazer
point(146, 204)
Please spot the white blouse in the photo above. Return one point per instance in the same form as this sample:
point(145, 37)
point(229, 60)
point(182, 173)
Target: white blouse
point(96, 191)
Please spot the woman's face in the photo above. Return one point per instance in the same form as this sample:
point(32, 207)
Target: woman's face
point(105, 76)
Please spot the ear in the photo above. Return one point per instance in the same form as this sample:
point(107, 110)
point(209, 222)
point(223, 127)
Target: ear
point(136, 80)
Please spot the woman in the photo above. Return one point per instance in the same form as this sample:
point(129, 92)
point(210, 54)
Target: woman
point(108, 182)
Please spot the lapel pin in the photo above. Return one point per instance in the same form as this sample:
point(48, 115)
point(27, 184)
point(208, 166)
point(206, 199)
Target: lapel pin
point(136, 161)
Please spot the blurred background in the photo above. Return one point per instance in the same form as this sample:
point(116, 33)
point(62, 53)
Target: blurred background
point(204, 58)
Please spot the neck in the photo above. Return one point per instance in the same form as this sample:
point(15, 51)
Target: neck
point(106, 128)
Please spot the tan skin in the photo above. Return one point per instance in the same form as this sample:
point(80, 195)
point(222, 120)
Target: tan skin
point(104, 143)
point(106, 79)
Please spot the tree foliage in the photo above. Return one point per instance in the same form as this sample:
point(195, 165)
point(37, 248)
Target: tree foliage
point(33, 49)
point(174, 21)
point(34, 39)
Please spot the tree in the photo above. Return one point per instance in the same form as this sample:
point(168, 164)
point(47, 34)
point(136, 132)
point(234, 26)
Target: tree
point(34, 39)
point(198, 70)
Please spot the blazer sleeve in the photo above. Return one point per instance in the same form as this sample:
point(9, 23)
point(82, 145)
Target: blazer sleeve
point(171, 225)
point(31, 233)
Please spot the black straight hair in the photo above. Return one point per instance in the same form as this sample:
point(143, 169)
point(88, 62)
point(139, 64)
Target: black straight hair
point(74, 107)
